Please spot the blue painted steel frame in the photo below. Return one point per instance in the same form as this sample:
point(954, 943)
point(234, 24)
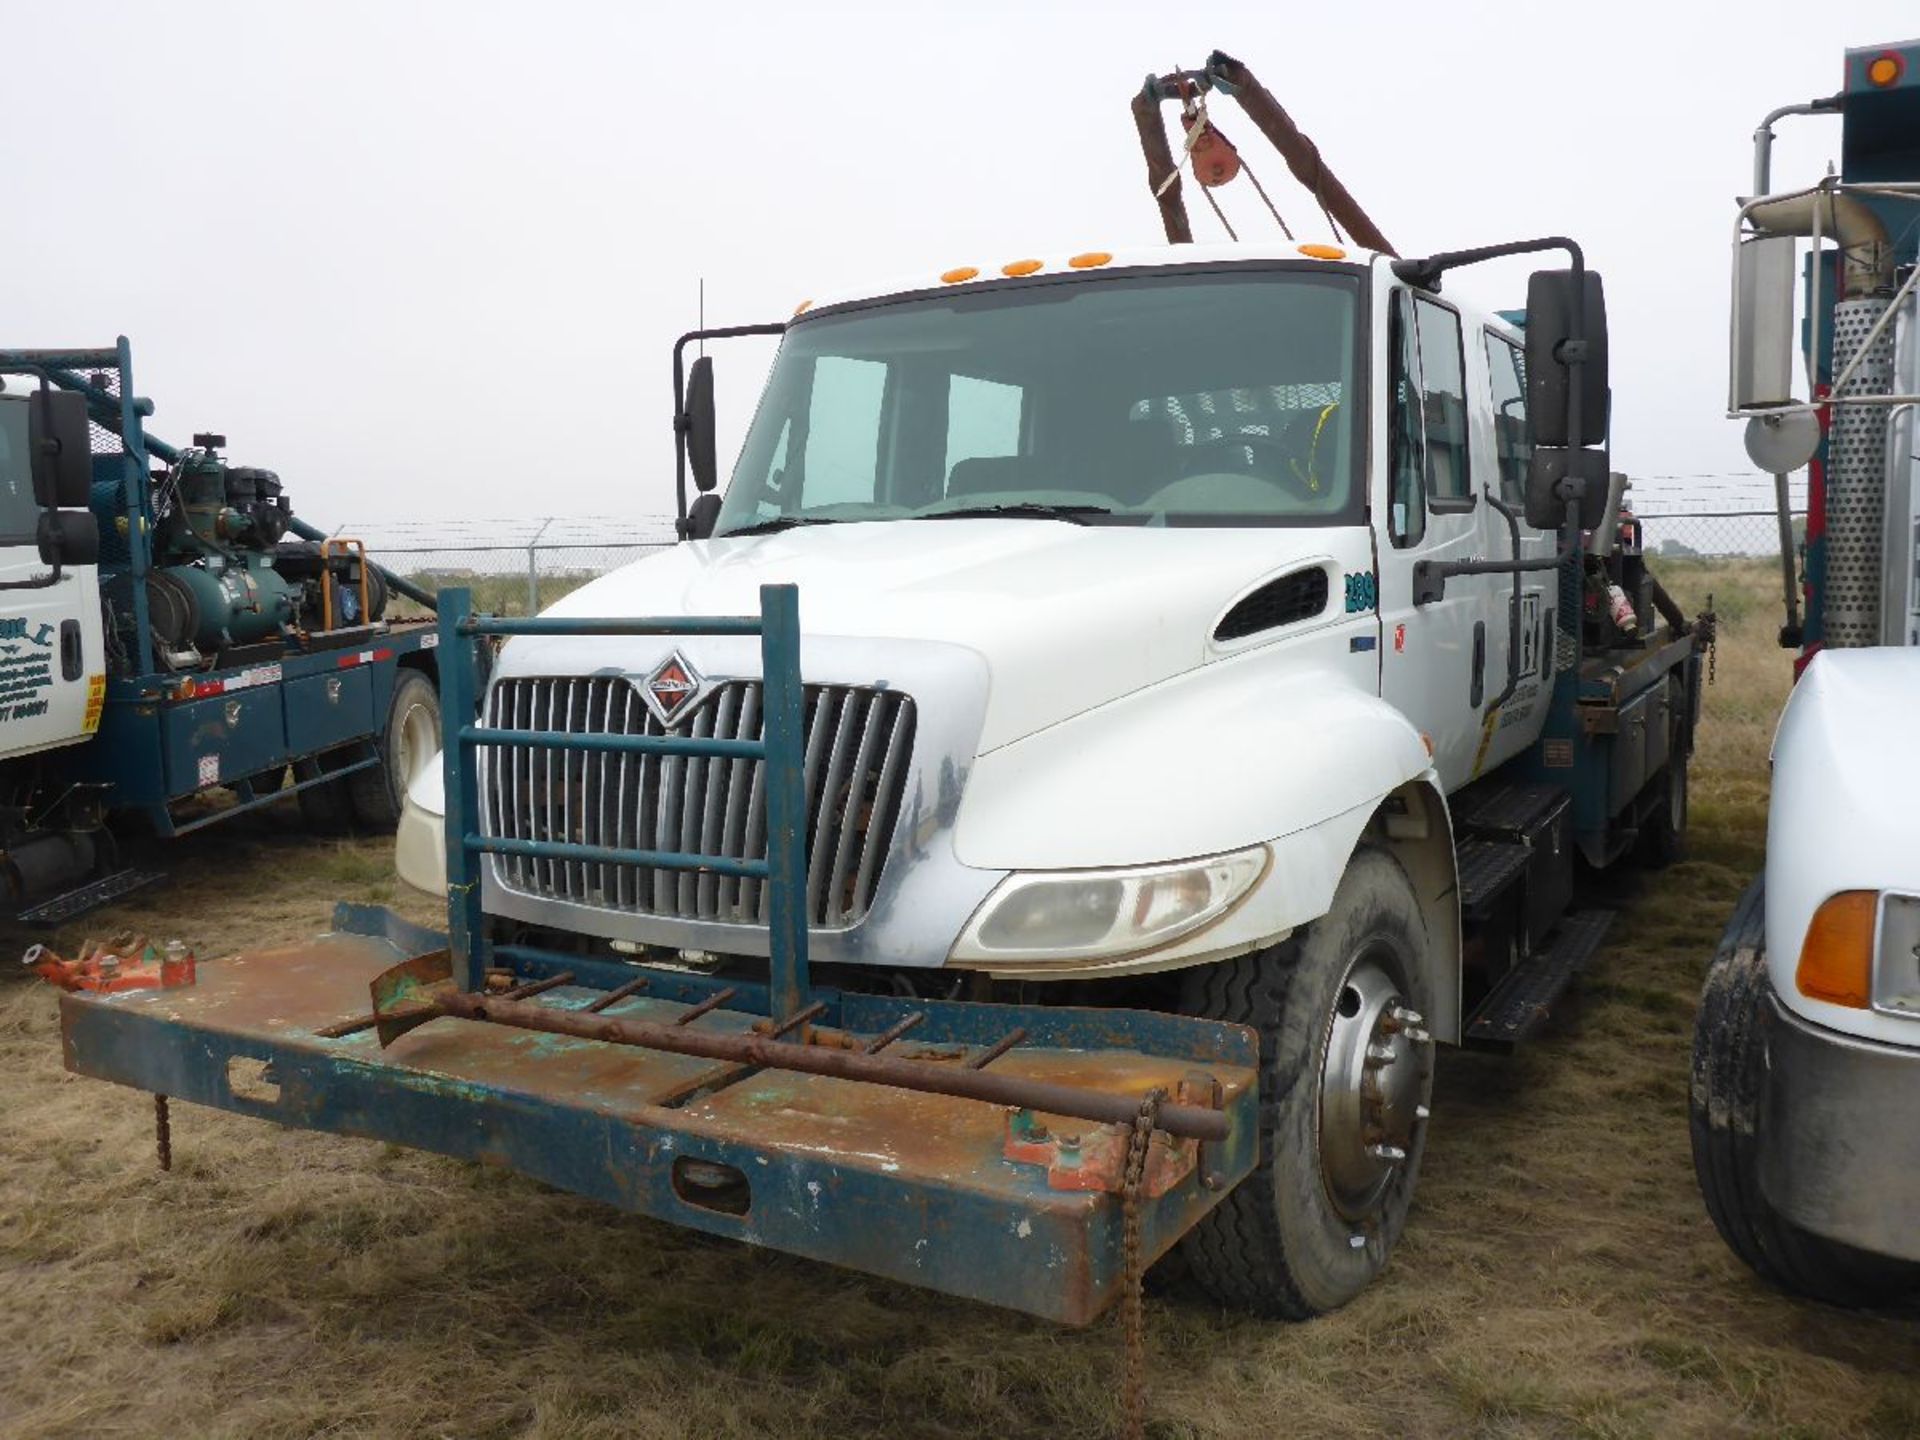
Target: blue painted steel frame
point(780, 749)
point(857, 1189)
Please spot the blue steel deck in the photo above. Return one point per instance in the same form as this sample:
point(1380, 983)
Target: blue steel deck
point(909, 1186)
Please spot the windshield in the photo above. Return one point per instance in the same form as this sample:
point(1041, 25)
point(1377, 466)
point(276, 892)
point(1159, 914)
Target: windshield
point(1173, 398)
point(18, 513)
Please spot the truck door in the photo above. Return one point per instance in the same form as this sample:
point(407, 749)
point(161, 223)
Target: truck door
point(51, 657)
point(1503, 459)
point(1439, 662)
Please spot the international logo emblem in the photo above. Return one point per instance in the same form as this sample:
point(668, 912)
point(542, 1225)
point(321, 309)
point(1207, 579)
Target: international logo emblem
point(670, 688)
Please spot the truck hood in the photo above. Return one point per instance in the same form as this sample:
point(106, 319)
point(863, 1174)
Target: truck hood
point(1067, 617)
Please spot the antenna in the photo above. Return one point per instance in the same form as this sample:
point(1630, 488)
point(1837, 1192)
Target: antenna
point(703, 313)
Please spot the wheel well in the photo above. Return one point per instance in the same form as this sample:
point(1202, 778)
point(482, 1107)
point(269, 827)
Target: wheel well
point(426, 662)
point(1413, 826)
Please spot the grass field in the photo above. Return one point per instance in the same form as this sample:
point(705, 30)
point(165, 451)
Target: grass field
point(1559, 1277)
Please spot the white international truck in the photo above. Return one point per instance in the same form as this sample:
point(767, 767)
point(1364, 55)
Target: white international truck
point(1806, 1062)
point(1212, 630)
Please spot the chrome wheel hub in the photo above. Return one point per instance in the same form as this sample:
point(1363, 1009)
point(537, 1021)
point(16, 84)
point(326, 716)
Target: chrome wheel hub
point(1371, 1083)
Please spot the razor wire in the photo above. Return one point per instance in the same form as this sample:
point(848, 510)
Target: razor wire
point(519, 567)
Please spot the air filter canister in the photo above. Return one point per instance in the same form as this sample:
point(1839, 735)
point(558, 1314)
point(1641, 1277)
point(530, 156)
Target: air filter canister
point(1856, 479)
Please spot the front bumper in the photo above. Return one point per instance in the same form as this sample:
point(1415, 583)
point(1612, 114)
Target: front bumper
point(928, 1189)
point(1840, 1135)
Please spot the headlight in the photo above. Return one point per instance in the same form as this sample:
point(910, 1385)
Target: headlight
point(1081, 914)
point(1896, 987)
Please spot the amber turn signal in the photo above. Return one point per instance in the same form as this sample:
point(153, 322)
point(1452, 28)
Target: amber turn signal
point(1836, 958)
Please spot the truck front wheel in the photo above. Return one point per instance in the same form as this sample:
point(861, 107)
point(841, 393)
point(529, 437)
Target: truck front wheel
point(406, 743)
point(1346, 1075)
point(1729, 1073)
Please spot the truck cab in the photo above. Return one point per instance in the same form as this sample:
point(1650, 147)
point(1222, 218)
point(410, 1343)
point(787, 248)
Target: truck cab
point(1104, 567)
point(52, 661)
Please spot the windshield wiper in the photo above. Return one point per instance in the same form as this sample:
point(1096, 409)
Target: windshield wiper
point(777, 522)
point(1073, 514)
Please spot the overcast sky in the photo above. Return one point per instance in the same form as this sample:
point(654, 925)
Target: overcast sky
point(429, 259)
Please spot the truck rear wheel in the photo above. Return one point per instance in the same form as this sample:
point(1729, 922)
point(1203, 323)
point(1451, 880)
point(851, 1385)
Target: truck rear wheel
point(406, 743)
point(1346, 1075)
point(1724, 1110)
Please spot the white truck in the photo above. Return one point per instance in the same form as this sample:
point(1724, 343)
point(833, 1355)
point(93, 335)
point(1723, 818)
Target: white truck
point(53, 668)
point(1207, 629)
point(1806, 1062)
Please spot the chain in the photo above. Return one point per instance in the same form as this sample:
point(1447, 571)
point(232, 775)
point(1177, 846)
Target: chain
point(1133, 1311)
point(162, 1133)
point(1713, 639)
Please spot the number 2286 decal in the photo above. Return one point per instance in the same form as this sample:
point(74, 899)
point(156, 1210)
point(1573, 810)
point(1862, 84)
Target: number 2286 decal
point(1363, 591)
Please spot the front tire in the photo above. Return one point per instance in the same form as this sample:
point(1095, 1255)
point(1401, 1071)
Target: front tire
point(406, 743)
point(1346, 1076)
point(1724, 1110)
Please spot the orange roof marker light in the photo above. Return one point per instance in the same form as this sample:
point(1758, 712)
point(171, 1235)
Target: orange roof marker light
point(1090, 260)
point(956, 275)
point(1020, 267)
point(1885, 70)
point(1322, 252)
point(802, 307)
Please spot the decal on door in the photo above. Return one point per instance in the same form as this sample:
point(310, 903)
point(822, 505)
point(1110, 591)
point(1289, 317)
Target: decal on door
point(26, 668)
point(1529, 632)
point(1363, 591)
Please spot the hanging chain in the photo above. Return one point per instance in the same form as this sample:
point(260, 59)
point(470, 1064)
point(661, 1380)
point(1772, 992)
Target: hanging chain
point(1713, 638)
point(1133, 1310)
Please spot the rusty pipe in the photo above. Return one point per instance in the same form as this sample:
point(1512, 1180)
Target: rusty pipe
point(1299, 151)
point(1160, 163)
point(1189, 1122)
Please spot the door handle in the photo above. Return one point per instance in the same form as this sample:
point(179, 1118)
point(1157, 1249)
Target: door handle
point(73, 660)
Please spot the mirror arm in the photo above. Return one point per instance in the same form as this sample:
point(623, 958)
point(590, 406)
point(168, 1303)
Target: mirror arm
point(723, 332)
point(38, 582)
point(1430, 576)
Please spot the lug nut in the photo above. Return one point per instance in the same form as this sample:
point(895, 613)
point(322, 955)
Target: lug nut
point(1392, 1154)
point(1379, 1055)
point(1421, 1112)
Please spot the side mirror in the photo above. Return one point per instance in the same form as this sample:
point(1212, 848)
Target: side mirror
point(1552, 465)
point(1551, 310)
point(62, 453)
point(696, 423)
point(1762, 335)
point(68, 537)
point(701, 517)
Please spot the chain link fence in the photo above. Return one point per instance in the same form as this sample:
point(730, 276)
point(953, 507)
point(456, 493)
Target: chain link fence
point(519, 567)
point(513, 567)
point(1717, 533)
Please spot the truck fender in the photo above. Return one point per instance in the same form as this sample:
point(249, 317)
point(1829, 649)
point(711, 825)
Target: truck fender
point(1306, 764)
point(1214, 760)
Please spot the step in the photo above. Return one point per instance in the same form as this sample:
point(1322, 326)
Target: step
point(1523, 1001)
point(1505, 810)
point(58, 909)
point(1487, 868)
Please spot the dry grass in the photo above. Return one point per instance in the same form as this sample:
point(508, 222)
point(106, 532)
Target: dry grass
point(1559, 1277)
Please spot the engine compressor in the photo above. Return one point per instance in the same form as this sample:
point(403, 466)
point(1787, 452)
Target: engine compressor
point(224, 576)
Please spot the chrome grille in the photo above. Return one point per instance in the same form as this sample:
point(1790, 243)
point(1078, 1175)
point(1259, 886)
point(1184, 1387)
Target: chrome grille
point(857, 743)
